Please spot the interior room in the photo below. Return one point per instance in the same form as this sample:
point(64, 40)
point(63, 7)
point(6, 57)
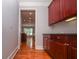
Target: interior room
point(28, 27)
point(39, 29)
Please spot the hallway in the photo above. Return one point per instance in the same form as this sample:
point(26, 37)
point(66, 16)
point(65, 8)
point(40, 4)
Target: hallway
point(51, 26)
point(27, 53)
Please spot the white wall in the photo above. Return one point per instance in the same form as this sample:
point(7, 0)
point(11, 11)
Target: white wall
point(65, 27)
point(42, 27)
point(9, 27)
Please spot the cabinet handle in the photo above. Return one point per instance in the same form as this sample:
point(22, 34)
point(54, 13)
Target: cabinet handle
point(58, 37)
point(50, 40)
point(66, 44)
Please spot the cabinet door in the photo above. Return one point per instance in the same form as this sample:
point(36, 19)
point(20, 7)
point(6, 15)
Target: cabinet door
point(50, 13)
point(56, 11)
point(54, 14)
point(59, 51)
point(73, 6)
point(67, 9)
point(52, 49)
point(72, 53)
point(45, 43)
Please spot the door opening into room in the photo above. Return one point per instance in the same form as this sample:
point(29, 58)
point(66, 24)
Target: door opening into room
point(28, 28)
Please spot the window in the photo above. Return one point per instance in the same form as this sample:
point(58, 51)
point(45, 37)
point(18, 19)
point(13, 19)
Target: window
point(28, 31)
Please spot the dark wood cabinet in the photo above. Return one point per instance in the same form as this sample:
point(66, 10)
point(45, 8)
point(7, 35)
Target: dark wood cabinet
point(74, 7)
point(23, 37)
point(72, 48)
point(54, 13)
point(68, 9)
point(46, 42)
point(60, 10)
point(61, 51)
point(45, 45)
point(50, 14)
point(72, 52)
point(61, 46)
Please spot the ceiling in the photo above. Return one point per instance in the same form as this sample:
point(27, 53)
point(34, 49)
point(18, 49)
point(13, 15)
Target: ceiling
point(28, 16)
point(34, 0)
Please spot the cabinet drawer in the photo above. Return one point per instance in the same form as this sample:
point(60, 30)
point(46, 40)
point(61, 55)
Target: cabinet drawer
point(58, 51)
point(72, 40)
point(59, 38)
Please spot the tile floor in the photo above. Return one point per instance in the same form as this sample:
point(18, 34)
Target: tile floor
point(28, 53)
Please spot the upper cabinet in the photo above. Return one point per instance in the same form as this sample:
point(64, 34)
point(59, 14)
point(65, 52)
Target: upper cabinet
point(60, 10)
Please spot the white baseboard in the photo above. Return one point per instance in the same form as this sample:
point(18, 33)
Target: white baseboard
point(13, 53)
point(39, 48)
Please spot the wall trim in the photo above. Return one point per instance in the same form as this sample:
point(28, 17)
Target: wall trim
point(11, 56)
point(39, 48)
point(19, 29)
point(19, 40)
point(35, 3)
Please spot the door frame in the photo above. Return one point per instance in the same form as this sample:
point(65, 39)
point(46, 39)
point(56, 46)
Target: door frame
point(19, 25)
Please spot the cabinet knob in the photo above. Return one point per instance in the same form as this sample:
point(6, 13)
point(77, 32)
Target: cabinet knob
point(51, 40)
point(66, 44)
point(58, 37)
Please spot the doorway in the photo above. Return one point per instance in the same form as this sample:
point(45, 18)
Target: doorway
point(28, 28)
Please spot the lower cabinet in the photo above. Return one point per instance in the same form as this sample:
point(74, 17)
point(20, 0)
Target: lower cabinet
point(60, 51)
point(60, 46)
point(72, 52)
point(46, 42)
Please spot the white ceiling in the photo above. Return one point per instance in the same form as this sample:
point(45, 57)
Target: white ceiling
point(35, 0)
point(34, 3)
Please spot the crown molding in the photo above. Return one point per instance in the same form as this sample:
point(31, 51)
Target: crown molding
point(34, 3)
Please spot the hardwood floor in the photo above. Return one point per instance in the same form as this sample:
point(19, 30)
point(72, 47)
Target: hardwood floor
point(28, 53)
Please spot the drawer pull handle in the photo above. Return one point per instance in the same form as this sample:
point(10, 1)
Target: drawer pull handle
point(66, 44)
point(58, 37)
